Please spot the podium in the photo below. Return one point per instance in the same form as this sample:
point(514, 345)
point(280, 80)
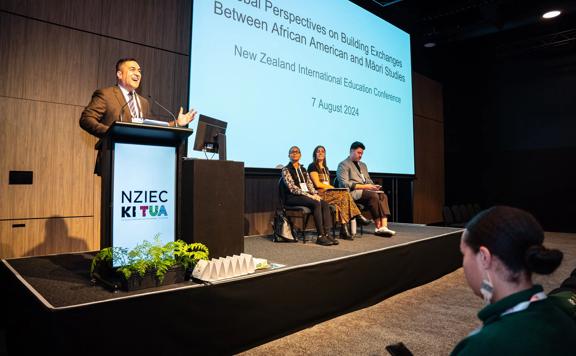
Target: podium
point(139, 169)
point(213, 205)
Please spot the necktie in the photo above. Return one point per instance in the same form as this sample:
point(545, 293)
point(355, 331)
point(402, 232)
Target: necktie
point(133, 104)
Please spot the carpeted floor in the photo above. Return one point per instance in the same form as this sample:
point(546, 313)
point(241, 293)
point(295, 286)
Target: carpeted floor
point(429, 319)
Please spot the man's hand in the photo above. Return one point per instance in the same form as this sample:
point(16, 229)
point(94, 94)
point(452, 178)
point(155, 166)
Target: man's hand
point(185, 119)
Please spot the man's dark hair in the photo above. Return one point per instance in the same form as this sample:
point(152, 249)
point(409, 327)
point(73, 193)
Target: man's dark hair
point(122, 61)
point(357, 144)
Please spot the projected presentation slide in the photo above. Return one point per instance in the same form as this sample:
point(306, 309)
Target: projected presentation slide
point(305, 73)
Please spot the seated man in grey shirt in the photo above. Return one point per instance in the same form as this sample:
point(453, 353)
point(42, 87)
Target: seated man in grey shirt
point(353, 174)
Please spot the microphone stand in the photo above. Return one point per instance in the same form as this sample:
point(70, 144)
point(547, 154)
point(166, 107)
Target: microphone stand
point(122, 109)
point(168, 111)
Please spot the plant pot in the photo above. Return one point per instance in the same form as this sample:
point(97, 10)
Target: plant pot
point(149, 280)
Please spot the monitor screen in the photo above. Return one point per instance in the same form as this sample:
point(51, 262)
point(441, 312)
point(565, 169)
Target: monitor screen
point(304, 73)
point(207, 131)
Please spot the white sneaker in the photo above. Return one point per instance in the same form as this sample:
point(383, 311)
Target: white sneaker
point(384, 231)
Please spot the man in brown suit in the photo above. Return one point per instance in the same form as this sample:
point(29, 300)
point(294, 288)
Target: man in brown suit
point(121, 103)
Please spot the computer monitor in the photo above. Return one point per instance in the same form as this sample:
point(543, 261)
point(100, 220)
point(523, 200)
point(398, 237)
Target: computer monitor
point(211, 136)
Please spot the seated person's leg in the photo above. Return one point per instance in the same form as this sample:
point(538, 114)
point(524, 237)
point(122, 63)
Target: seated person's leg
point(316, 207)
point(326, 216)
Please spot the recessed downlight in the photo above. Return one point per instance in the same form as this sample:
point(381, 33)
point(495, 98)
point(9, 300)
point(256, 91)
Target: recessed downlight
point(551, 14)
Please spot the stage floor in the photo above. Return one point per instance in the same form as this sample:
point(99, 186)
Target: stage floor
point(62, 281)
point(294, 254)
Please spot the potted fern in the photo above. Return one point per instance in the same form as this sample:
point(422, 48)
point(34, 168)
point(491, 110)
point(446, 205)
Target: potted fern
point(148, 264)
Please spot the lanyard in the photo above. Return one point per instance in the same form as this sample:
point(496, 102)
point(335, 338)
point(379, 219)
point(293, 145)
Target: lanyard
point(325, 174)
point(298, 174)
point(524, 305)
point(518, 308)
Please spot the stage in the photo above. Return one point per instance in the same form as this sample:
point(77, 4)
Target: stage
point(52, 305)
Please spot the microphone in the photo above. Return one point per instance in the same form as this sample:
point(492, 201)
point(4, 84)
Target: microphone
point(168, 111)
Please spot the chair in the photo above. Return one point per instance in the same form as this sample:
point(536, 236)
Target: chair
point(448, 216)
point(476, 208)
point(470, 210)
point(465, 213)
point(294, 211)
point(459, 216)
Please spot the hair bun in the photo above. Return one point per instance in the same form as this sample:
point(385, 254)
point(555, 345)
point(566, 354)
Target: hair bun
point(541, 260)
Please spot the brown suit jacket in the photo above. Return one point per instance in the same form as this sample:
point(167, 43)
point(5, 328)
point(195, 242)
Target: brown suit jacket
point(107, 105)
point(104, 109)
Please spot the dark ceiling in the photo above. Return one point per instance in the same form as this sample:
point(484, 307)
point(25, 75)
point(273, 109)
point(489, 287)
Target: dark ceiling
point(487, 27)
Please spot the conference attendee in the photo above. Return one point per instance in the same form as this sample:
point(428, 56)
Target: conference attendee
point(121, 103)
point(300, 191)
point(565, 295)
point(353, 174)
point(502, 247)
point(346, 209)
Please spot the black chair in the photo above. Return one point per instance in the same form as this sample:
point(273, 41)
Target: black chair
point(470, 211)
point(294, 211)
point(476, 208)
point(459, 216)
point(448, 216)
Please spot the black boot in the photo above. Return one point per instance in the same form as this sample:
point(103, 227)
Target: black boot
point(361, 220)
point(344, 233)
point(323, 240)
point(332, 239)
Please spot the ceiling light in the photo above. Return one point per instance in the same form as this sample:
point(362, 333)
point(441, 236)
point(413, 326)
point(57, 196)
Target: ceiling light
point(430, 44)
point(551, 14)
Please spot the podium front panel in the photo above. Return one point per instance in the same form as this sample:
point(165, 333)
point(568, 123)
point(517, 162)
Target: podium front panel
point(144, 194)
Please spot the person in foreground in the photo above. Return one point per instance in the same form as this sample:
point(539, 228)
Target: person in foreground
point(353, 174)
point(121, 103)
point(301, 192)
point(501, 248)
point(346, 209)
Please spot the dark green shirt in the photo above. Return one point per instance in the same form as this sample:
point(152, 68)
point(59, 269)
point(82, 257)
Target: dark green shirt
point(540, 329)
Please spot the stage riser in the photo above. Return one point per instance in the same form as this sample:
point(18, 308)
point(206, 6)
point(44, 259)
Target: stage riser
point(234, 316)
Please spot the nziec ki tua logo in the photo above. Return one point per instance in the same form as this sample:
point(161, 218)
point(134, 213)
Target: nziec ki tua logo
point(144, 204)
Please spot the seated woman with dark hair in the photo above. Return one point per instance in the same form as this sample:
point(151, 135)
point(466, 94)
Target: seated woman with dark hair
point(346, 209)
point(502, 247)
point(301, 192)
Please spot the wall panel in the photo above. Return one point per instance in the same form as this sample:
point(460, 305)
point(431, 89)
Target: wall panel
point(46, 62)
point(45, 236)
point(163, 24)
point(429, 185)
point(12, 50)
point(261, 197)
point(427, 97)
point(45, 138)
point(79, 14)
